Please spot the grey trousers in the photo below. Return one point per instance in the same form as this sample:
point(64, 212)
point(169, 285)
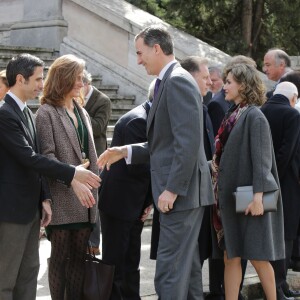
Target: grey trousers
point(19, 260)
point(178, 273)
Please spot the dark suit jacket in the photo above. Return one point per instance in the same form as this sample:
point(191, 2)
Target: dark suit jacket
point(285, 127)
point(21, 185)
point(99, 110)
point(217, 108)
point(126, 189)
point(207, 98)
point(208, 134)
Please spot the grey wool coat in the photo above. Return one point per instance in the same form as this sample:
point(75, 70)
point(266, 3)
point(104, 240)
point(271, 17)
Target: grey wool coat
point(58, 140)
point(248, 159)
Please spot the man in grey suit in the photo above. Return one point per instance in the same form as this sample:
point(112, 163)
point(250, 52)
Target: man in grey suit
point(180, 177)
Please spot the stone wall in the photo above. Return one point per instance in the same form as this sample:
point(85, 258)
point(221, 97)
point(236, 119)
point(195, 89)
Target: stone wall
point(100, 31)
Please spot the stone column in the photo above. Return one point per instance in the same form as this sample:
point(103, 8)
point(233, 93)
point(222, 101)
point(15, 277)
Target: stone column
point(42, 26)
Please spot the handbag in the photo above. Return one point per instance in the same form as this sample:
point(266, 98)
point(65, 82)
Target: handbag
point(98, 278)
point(244, 195)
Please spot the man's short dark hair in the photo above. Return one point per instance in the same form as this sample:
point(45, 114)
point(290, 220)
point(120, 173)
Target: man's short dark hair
point(192, 63)
point(157, 35)
point(23, 64)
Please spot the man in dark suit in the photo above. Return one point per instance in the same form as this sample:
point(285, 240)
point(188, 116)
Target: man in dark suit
point(98, 106)
point(124, 202)
point(284, 122)
point(217, 108)
point(23, 191)
point(180, 178)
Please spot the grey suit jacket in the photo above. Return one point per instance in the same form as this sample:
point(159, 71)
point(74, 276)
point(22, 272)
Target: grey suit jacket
point(58, 140)
point(175, 142)
point(99, 109)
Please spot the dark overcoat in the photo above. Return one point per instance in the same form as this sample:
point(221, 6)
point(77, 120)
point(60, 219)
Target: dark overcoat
point(284, 122)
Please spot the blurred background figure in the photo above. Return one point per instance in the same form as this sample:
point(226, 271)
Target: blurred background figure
point(215, 73)
point(3, 86)
point(284, 122)
point(98, 106)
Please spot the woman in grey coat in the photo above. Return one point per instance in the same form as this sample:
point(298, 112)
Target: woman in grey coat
point(244, 157)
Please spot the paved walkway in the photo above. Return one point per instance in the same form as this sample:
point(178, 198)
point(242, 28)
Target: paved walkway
point(147, 266)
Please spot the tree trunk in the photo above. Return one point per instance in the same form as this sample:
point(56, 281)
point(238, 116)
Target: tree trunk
point(247, 25)
point(258, 17)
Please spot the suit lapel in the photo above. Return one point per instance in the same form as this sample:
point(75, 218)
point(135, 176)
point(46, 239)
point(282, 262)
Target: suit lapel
point(10, 101)
point(159, 92)
point(91, 101)
point(70, 130)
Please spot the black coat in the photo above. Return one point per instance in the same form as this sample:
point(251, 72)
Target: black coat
point(126, 189)
point(217, 108)
point(22, 188)
point(285, 127)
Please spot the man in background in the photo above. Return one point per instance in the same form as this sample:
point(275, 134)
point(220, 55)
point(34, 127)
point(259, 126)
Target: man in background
point(276, 64)
point(125, 200)
point(215, 73)
point(98, 106)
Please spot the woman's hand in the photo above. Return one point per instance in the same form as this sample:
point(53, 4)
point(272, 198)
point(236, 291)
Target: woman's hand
point(256, 208)
point(83, 193)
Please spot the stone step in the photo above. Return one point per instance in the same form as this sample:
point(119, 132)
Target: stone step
point(40, 52)
point(110, 131)
point(109, 90)
point(5, 58)
point(119, 99)
point(121, 109)
point(114, 118)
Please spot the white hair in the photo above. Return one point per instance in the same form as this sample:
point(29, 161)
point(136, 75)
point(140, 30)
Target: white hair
point(286, 89)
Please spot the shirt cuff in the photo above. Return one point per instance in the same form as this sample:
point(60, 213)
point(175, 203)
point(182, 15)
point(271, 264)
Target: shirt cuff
point(129, 155)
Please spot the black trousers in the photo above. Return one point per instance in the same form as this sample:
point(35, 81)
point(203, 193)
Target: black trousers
point(281, 267)
point(121, 246)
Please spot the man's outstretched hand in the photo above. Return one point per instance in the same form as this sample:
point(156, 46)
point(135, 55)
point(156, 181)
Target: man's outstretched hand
point(110, 156)
point(87, 177)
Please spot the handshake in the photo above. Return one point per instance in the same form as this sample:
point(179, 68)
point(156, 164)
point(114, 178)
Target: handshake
point(83, 182)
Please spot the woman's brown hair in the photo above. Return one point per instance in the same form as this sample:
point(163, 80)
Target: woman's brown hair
point(61, 78)
point(252, 90)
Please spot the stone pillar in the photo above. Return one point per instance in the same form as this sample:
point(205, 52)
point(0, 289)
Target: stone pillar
point(42, 26)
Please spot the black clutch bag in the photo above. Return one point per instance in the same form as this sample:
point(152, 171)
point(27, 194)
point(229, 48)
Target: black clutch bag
point(244, 195)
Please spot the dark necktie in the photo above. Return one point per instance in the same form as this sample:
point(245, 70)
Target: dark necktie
point(156, 87)
point(29, 123)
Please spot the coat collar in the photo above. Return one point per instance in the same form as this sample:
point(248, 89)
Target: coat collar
point(12, 103)
point(279, 99)
point(159, 92)
point(91, 100)
point(69, 127)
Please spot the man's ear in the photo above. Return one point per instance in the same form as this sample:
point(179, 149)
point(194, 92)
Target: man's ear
point(157, 48)
point(20, 79)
